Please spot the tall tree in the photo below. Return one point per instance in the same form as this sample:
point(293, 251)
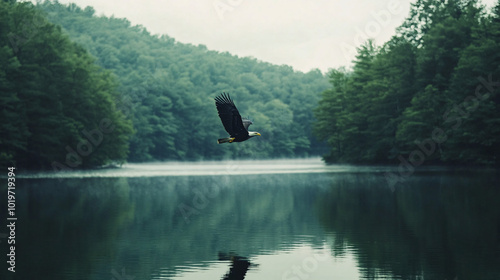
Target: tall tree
point(473, 115)
point(331, 115)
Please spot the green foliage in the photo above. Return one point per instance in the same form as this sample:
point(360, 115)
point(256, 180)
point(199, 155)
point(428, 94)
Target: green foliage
point(423, 80)
point(169, 88)
point(51, 92)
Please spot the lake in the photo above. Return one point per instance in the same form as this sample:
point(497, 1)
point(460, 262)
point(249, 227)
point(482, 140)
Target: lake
point(276, 219)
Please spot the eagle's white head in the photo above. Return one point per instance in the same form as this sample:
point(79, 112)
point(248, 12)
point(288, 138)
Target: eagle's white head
point(253, 133)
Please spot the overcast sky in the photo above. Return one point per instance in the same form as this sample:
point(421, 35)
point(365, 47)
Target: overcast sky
point(305, 34)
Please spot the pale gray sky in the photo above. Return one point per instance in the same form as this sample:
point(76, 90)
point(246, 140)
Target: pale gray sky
point(305, 34)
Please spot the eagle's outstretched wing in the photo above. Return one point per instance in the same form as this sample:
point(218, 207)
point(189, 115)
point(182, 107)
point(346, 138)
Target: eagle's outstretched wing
point(230, 117)
point(246, 123)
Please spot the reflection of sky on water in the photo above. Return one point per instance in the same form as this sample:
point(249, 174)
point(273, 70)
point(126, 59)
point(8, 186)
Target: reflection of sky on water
point(303, 261)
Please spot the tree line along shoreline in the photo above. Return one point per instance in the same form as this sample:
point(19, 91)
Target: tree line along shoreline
point(65, 71)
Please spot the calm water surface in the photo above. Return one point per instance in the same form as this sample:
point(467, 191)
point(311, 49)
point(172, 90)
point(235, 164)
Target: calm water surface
point(255, 220)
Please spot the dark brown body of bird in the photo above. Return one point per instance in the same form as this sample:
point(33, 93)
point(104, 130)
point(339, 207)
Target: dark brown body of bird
point(235, 125)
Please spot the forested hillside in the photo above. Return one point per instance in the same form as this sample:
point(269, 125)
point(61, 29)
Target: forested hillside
point(169, 87)
point(57, 106)
point(82, 90)
point(430, 94)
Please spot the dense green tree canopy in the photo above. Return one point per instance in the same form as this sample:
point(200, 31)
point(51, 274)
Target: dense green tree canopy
point(429, 94)
point(169, 89)
point(58, 107)
point(70, 95)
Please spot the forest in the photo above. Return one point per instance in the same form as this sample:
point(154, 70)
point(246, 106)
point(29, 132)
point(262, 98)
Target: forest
point(160, 94)
point(79, 90)
point(54, 97)
point(428, 95)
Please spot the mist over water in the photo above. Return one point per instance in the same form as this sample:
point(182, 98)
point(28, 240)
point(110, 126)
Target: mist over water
point(218, 168)
point(200, 168)
point(278, 219)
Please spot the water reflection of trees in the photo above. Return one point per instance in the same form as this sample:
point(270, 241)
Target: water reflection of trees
point(441, 226)
point(245, 214)
point(67, 228)
point(437, 226)
point(85, 228)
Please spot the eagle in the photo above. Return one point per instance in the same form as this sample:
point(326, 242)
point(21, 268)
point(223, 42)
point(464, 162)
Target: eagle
point(235, 125)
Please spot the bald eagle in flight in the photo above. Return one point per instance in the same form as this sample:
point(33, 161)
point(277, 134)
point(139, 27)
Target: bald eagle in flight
point(235, 125)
